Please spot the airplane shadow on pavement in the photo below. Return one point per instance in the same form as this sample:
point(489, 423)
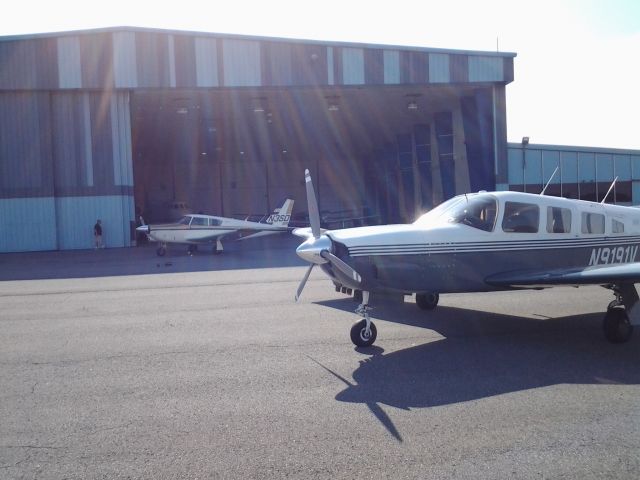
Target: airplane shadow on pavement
point(483, 354)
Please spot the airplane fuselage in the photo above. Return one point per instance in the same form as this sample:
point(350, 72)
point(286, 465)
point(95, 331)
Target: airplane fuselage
point(451, 253)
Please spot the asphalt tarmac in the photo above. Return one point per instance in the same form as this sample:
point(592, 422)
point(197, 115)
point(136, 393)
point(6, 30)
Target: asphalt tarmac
point(120, 364)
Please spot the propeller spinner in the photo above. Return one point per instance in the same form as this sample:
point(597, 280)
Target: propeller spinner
point(316, 249)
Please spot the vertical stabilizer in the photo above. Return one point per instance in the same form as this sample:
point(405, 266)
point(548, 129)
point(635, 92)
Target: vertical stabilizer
point(281, 216)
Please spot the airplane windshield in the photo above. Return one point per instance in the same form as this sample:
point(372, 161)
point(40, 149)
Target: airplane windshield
point(477, 211)
point(184, 221)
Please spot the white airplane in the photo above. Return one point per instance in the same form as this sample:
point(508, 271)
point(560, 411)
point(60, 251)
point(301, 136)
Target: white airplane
point(484, 242)
point(196, 229)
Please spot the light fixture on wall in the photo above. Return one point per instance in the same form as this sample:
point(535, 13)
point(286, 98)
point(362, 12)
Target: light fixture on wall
point(412, 105)
point(182, 111)
point(525, 141)
point(332, 103)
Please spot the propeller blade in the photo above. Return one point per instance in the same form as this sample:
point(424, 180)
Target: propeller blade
point(304, 281)
point(340, 265)
point(312, 203)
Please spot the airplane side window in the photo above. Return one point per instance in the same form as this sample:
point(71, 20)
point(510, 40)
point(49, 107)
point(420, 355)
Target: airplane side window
point(520, 217)
point(617, 226)
point(592, 223)
point(214, 222)
point(558, 220)
point(198, 222)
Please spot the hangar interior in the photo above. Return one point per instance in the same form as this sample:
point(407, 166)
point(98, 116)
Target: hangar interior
point(242, 152)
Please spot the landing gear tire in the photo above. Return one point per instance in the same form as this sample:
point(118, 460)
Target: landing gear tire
point(617, 327)
point(359, 335)
point(613, 304)
point(357, 296)
point(427, 301)
point(191, 249)
point(161, 251)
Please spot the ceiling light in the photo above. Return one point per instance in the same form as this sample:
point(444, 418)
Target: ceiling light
point(182, 111)
point(412, 106)
point(333, 107)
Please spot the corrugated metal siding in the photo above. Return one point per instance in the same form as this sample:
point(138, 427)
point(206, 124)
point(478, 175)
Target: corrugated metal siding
point(241, 63)
point(28, 224)
point(121, 139)
point(185, 59)
point(330, 66)
point(353, 66)
point(309, 65)
point(69, 140)
point(373, 66)
point(391, 66)
point(206, 60)
point(172, 60)
point(485, 69)
point(125, 60)
point(25, 144)
point(459, 68)
point(69, 70)
point(276, 64)
point(96, 53)
point(439, 68)
point(152, 59)
point(77, 216)
point(134, 58)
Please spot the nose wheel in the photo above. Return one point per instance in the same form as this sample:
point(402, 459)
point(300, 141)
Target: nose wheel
point(364, 332)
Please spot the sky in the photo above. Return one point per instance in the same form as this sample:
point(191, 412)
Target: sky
point(577, 70)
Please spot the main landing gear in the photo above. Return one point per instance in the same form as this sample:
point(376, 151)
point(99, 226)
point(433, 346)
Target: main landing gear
point(162, 249)
point(427, 301)
point(617, 325)
point(364, 332)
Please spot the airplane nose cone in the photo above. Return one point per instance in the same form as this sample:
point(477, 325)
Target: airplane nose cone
point(311, 248)
point(143, 229)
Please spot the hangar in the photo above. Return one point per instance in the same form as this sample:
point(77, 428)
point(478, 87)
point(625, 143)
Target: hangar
point(117, 122)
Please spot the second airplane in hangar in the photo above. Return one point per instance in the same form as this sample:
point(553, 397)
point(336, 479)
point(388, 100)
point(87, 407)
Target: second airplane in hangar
point(197, 229)
point(484, 242)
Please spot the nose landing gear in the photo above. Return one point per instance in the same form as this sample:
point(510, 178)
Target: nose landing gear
point(364, 332)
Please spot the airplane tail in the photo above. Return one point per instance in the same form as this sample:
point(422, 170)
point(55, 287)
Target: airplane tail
point(281, 216)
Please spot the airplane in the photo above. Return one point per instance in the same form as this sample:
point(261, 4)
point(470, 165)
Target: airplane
point(482, 242)
point(197, 229)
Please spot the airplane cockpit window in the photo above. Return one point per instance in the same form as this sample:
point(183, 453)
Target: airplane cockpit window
point(520, 217)
point(186, 220)
point(592, 222)
point(199, 222)
point(477, 211)
point(558, 220)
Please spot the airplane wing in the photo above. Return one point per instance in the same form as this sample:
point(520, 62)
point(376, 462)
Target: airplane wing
point(595, 275)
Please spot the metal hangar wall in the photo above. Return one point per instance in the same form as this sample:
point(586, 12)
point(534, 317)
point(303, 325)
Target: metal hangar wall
point(118, 122)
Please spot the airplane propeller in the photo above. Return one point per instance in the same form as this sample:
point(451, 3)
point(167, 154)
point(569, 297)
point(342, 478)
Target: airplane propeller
point(316, 248)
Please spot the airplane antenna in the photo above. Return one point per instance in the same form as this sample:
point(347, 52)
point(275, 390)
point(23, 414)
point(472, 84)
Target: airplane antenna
point(610, 188)
point(551, 178)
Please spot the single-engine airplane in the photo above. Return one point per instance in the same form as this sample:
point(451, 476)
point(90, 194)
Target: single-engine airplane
point(196, 229)
point(483, 242)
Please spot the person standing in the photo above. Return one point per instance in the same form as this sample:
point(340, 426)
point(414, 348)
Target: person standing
point(97, 234)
